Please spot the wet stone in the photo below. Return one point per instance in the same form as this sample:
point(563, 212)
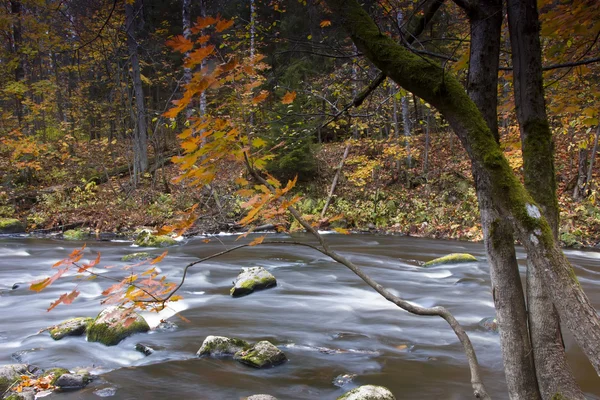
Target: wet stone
point(368, 392)
point(261, 355)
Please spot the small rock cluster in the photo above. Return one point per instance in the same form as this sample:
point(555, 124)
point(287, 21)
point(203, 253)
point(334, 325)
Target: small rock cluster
point(263, 354)
point(13, 377)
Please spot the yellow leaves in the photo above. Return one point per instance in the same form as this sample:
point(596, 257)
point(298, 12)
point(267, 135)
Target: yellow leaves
point(258, 143)
point(260, 97)
point(180, 43)
point(325, 23)
point(288, 98)
point(159, 258)
point(257, 241)
point(342, 231)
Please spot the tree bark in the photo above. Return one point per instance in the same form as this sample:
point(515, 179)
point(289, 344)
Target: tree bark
point(426, 79)
point(485, 19)
point(140, 150)
point(15, 9)
point(590, 170)
point(553, 371)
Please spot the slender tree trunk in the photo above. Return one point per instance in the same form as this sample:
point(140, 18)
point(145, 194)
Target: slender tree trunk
point(186, 18)
point(581, 164)
point(590, 171)
point(509, 299)
point(140, 150)
point(15, 9)
point(427, 140)
point(553, 371)
point(440, 88)
point(407, 131)
point(394, 91)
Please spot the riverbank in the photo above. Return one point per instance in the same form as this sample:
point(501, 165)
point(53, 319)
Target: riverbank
point(373, 194)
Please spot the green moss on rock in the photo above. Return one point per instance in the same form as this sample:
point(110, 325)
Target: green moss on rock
point(10, 374)
point(136, 256)
point(454, 258)
point(11, 225)
point(147, 239)
point(261, 355)
point(115, 324)
point(368, 392)
point(76, 234)
point(219, 346)
point(71, 327)
point(251, 279)
point(56, 373)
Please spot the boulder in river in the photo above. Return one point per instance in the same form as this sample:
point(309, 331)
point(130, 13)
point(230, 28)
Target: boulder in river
point(76, 234)
point(114, 324)
point(368, 392)
point(147, 239)
point(261, 397)
point(144, 349)
point(11, 225)
point(263, 354)
point(71, 381)
point(221, 346)
point(489, 324)
point(10, 374)
point(71, 327)
point(140, 256)
point(454, 258)
point(251, 279)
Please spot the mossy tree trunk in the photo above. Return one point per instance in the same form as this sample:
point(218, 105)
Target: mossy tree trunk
point(553, 371)
point(485, 17)
point(426, 79)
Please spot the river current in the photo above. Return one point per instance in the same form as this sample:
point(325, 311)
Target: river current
point(325, 319)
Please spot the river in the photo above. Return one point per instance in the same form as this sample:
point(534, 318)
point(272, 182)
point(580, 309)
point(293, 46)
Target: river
point(326, 320)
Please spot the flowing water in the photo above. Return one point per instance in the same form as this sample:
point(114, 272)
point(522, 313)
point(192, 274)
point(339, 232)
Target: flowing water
point(327, 321)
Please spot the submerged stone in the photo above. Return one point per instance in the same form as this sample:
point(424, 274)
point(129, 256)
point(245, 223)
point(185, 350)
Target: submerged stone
point(368, 392)
point(251, 279)
point(454, 258)
point(76, 234)
point(489, 324)
point(261, 397)
point(136, 256)
point(221, 346)
point(70, 327)
point(144, 349)
point(114, 324)
point(263, 354)
point(11, 225)
point(147, 239)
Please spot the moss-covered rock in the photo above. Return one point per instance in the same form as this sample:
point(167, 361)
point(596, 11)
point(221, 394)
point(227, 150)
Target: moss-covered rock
point(368, 392)
point(454, 258)
point(220, 346)
point(489, 324)
point(136, 256)
point(251, 279)
point(70, 381)
point(56, 373)
point(10, 374)
point(71, 327)
point(147, 239)
point(76, 234)
point(115, 324)
point(263, 354)
point(11, 225)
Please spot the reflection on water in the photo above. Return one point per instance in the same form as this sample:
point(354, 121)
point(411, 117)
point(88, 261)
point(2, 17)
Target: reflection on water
point(323, 317)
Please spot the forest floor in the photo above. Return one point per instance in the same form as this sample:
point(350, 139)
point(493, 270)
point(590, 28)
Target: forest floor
point(83, 188)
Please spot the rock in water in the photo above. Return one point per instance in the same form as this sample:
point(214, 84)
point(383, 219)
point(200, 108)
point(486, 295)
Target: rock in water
point(454, 258)
point(368, 392)
point(251, 279)
point(11, 373)
point(70, 327)
point(72, 381)
point(221, 346)
point(261, 397)
point(11, 225)
point(144, 349)
point(140, 256)
point(489, 324)
point(147, 239)
point(114, 324)
point(261, 355)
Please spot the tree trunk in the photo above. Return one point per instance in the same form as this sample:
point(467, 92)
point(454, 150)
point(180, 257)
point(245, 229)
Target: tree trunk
point(509, 300)
point(15, 9)
point(426, 79)
point(553, 371)
point(186, 18)
point(140, 150)
point(580, 185)
point(590, 170)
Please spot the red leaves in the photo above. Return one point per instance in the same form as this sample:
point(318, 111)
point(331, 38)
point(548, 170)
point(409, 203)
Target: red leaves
point(180, 43)
point(65, 299)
